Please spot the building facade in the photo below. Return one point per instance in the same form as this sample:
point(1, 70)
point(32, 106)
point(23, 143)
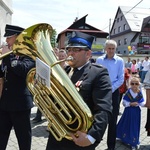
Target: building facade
point(130, 28)
point(5, 17)
point(81, 25)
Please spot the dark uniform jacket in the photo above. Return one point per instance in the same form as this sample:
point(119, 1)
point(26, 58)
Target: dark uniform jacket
point(95, 89)
point(15, 94)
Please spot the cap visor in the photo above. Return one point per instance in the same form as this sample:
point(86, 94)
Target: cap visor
point(9, 35)
point(75, 45)
point(6, 34)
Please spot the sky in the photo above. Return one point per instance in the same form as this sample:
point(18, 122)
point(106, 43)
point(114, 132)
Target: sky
point(60, 14)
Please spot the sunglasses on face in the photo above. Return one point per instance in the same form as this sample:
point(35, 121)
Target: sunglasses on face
point(132, 83)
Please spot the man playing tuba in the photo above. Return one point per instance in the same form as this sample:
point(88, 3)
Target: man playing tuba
point(93, 83)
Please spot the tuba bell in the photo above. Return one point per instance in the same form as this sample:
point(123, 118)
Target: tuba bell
point(61, 104)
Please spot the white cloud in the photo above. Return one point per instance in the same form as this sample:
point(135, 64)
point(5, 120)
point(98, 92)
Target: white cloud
point(61, 14)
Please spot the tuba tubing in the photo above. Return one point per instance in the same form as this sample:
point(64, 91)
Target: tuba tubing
point(61, 104)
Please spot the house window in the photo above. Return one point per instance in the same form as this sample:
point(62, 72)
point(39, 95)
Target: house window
point(119, 29)
point(121, 18)
point(114, 31)
point(69, 35)
point(119, 42)
point(125, 41)
point(87, 27)
point(125, 27)
point(145, 40)
point(81, 27)
point(84, 27)
point(117, 19)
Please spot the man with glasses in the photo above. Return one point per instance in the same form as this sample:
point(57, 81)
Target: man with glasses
point(94, 87)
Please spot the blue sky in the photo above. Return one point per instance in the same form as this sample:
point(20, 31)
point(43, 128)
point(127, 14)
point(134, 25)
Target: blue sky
point(60, 14)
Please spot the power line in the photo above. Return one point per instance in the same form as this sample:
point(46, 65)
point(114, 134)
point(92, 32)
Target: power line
point(133, 7)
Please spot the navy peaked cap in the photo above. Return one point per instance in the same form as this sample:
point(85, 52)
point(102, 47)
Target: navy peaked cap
point(11, 30)
point(80, 39)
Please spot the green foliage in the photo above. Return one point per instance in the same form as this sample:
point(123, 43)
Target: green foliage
point(53, 38)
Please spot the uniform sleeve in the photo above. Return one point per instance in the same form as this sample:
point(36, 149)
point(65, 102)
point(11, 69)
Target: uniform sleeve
point(120, 76)
point(1, 73)
point(126, 103)
point(1, 81)
point(102, 98)
point(20, 66)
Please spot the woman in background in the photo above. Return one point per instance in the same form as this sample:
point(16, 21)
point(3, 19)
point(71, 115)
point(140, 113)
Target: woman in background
point(134, 67)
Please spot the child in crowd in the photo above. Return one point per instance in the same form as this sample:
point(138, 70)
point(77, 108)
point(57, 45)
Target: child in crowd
point(128, 127)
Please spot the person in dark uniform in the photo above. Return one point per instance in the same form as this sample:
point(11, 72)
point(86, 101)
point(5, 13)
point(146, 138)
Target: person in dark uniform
point(95, 89)
point(38, 117)
point(16, 100)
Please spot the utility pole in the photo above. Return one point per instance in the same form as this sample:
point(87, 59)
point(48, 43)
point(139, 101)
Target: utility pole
point(109, 27)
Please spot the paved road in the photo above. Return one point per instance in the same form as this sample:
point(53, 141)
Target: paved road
point(40, 135)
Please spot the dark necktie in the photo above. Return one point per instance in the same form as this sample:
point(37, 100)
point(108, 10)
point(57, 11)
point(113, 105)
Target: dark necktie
point(75, 70)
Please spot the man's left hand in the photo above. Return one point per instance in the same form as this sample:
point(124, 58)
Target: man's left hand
point(81, 139)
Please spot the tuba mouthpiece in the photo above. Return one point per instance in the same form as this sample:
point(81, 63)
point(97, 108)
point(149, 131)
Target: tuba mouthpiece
point(70, 58)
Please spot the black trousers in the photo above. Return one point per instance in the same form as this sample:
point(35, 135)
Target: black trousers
point(38, 115)
point(147, 126)
point(20, 120)
point(111, 136)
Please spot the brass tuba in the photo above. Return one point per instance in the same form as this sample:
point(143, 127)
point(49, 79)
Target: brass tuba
point(61, 104)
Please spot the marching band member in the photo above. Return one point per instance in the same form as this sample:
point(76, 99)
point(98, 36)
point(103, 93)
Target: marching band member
point(94, 86)
point(16, 100)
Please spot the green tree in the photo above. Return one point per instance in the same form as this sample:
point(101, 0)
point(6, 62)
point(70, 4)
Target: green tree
point(53, 38)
